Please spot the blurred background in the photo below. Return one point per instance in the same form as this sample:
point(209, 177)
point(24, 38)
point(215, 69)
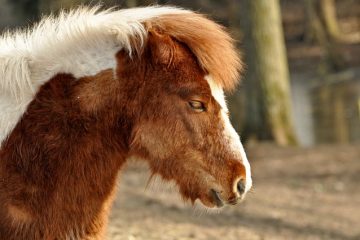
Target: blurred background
point(297, 109)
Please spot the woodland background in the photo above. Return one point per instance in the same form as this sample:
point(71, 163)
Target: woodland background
point(297, 109)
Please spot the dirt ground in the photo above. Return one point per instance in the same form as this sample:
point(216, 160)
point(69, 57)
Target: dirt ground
point(298, 194)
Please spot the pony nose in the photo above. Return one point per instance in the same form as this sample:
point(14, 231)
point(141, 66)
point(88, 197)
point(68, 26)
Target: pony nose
point(241, 186)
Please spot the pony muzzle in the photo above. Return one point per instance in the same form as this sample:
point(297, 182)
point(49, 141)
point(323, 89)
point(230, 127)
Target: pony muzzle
point(218, 197)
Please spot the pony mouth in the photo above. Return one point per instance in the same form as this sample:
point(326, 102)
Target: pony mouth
point(216, 198)
point(219, 202)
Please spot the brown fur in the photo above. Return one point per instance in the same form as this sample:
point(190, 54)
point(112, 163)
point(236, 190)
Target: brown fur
point(59, 165)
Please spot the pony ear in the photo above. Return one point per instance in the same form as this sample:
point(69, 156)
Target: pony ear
point(162, 48)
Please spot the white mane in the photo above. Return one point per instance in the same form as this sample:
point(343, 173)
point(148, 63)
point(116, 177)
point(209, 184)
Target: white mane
point(81, 42)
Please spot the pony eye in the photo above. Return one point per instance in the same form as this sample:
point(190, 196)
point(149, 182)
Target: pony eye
point(197, 106)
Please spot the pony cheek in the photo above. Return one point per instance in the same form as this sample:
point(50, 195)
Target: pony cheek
point(148, 142)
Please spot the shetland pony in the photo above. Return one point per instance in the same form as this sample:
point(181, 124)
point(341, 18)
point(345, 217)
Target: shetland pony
point(82, 92)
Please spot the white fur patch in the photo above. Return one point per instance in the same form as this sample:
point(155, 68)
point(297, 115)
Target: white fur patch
point(229, 131)
point(82, 42)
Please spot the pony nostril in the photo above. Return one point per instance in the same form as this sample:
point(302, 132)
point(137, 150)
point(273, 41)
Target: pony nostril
point(241, 187)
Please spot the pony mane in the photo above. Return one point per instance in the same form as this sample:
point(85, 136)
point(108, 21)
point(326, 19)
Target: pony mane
point(82, 42)
point(85, 27)
point(34, 55)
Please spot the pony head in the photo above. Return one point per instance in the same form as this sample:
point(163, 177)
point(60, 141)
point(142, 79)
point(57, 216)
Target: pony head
point(182, 126)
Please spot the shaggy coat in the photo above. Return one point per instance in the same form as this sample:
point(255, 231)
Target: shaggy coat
point(82, 92)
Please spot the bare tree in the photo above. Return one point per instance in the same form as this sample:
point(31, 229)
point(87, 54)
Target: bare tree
point(236, 99)
point(328, 13)
point(322, 28)
point(268, 111)
point(321, 21)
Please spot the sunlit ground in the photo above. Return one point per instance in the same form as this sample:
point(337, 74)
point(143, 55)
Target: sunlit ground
point(298, 194)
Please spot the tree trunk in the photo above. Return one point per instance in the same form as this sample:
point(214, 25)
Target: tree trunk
point(322, 28)
point(236, 100)
point(314, 30)
point(268, 113)
point(328, 13)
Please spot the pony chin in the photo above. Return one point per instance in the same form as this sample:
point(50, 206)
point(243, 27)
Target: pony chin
point(158, 185)
point(200, 208)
